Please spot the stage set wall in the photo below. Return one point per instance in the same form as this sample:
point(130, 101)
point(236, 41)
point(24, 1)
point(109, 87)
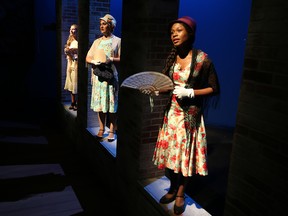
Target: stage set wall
point(257, 180)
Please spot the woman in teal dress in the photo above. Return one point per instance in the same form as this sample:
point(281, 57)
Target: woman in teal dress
point(104, 97)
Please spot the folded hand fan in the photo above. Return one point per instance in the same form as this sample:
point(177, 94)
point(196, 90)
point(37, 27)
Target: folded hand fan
point(148, 80)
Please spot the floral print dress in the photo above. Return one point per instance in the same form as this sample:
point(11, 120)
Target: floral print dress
point(181, 145)
point(104, 96)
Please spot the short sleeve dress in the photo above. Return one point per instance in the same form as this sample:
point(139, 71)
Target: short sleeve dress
point(72, 71)
point(104, 96)
point(181, 145)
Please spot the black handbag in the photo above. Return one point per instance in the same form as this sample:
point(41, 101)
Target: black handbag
point(103, 71)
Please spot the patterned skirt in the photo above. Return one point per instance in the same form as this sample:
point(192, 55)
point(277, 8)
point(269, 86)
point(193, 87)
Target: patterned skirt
point(181, 145)
point(104, 97)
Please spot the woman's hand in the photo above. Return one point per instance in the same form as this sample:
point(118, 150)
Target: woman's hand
point(181, 92)
point(66, 50)
point(94, 62)
point(109, 60)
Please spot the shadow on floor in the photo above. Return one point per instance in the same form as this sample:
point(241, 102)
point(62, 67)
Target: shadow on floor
point(21, 147)
point(89, 188)
point(14, 189)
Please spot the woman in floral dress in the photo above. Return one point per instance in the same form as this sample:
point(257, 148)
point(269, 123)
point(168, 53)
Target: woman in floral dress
point(181, 146)
point(104, 97)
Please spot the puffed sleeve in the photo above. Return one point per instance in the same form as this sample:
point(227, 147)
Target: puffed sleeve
point(91, 52)
point(116, 46)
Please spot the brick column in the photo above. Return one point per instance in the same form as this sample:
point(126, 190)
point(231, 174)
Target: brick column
point(83, 43)
point(145, 46)
point(259, 159)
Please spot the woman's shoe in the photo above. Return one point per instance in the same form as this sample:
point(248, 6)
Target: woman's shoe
point(178, 210)
point(71, 107)
point(100, 134)
point(111, 139)
point(75, 107)
point(165, 200)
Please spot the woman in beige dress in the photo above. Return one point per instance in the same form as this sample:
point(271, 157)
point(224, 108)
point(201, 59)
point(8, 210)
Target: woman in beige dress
point(71, 52)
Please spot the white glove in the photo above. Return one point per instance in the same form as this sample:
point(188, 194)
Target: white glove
point(95, 62)
point(181, 92)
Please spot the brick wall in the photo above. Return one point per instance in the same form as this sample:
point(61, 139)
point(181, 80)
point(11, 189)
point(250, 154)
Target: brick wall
point(158, 47)
point(97, 9)
point(150, 128)
point(156, 50)
point(259, 159)
point(145, 46)
point(69, 17)
point(144, 24)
